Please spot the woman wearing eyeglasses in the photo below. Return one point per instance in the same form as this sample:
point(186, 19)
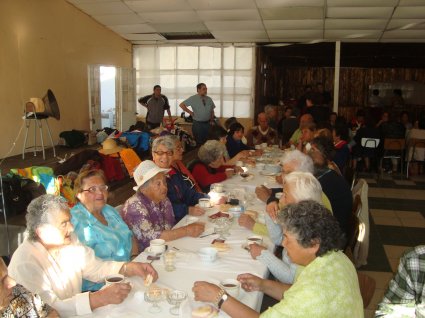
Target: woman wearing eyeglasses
point(99, 225)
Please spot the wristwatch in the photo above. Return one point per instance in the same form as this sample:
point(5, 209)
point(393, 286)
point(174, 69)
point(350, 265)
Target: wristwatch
point(222, 300)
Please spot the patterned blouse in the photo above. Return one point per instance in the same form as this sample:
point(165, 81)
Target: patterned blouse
point(112, 242)
point(25, 304)
point(147, 219)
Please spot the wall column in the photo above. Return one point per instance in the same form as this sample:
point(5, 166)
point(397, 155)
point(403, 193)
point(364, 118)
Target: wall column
point(336, 76)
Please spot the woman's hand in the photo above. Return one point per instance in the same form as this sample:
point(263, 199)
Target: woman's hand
point(140, 269)
point(263, 193)
point(195, 229)
point(206, 292)
point(250, 282)
point(196, 211)
point(246, 221)
point(112, 294)
point(255, 250)
point(272, 209)
point(279, 179)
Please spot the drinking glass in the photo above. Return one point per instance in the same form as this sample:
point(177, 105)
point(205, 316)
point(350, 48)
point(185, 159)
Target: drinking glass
point(221, 227)
point(169, 259)
point(175, 298)
point(154, 296)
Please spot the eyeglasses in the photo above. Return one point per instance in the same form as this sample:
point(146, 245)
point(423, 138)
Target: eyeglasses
point(161, 153)
point(94, 189)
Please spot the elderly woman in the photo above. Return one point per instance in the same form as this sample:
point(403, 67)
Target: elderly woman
point(98, 225)
point(178, 164)
point(149, 212)
point(327, 287)
point(297, 187)
point(211, 168)
point(17, 301)
point(334, 185)
point(183, 197)
point(52, 263)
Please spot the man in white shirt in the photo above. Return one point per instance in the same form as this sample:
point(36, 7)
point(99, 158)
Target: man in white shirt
point(52, 263)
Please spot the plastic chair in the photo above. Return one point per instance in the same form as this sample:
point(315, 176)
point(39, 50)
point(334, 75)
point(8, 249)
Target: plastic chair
point(412, 145)
point(393, 149)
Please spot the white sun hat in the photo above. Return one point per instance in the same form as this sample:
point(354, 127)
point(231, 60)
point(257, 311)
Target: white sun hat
point(145, 171)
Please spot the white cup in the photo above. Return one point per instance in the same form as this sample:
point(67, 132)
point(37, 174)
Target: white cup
point(114, 279)
point(208, 254)
point(255, 239)
point(157, 246)
point(231, 286)
point(218, 187)
point(204, 203)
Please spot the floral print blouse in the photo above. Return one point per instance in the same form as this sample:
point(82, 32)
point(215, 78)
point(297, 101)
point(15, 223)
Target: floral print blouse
point(147, 219)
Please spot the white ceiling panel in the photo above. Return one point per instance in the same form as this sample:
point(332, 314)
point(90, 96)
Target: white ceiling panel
point(292, 13)
point(116, 7)
point(361, 3)
point(228, 15)
point(234, 25)
point(293, 24)
point(359, 12)
point(179, 27)
point(410, 34)
point(359, 24)
point(221, 4)
point(158, 5)
point(133, 28)
point(301, 34)
point(236, 21)
point(288, 3)
point(406, 24)
point(170, 17)
point(119, 19)
point(352, 34)
point(410, 12)
point(144, 37)
point(403, 40)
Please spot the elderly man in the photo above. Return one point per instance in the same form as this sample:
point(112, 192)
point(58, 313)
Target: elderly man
point(156, 103)
point(202, 112)
point(17, 301)
point(262, 133)
point(305, 120)
point(52, 263)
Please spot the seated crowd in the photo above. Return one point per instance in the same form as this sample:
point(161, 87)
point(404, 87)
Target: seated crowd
point(61, 266)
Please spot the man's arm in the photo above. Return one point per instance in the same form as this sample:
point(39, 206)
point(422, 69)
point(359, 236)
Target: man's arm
point(187, 110)
point(144, 100)
point(167, 105)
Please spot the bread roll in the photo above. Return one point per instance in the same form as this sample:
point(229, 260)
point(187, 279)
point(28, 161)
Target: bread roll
point(206, 311)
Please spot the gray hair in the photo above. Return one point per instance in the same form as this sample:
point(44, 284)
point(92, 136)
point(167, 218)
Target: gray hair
point(268, 108)
point(211, 151)
point(166, 141)
point(304, 186)
point(40, 210)
point(312, 223)
point(303, 162)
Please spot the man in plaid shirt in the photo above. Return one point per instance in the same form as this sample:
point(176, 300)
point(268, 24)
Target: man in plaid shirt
point(408, 285)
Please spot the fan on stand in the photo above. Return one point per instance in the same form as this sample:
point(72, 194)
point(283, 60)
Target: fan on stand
point(37, 109)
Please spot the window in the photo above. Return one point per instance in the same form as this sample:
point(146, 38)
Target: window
point(227, 72)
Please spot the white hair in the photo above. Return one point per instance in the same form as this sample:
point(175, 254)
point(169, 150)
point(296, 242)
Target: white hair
point(304, 186)
point(302, 162)
point(210, 151)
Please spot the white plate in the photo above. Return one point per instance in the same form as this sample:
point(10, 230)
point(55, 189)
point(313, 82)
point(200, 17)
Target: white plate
point(268, 174)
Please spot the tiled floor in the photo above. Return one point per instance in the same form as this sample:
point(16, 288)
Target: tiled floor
point(397, 220)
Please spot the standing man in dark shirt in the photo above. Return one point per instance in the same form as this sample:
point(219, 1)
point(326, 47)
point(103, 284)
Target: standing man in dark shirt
point(156, 103)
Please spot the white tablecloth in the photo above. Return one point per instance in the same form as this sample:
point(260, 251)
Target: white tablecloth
point(257, 178)
point(189, 269)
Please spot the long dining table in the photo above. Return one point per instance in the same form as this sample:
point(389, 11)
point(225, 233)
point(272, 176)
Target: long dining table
point(190, 268)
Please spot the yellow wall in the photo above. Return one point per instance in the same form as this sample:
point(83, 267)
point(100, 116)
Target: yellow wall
point(48, 44)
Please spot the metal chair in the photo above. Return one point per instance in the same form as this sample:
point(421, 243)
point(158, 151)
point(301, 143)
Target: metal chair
point(393, 149)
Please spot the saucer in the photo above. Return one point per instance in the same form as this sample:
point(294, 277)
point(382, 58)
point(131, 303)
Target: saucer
point(268, 174)
point(149, 252)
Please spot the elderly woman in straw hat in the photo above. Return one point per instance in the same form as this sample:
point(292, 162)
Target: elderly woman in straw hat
point(149, 212)
point(99, 225)
point(52, 263)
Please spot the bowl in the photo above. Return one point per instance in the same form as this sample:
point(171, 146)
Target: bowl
point(236, 211)
point(273, 168)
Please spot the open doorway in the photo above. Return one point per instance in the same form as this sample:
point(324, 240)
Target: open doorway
point(107, 96)
point(112, 99)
